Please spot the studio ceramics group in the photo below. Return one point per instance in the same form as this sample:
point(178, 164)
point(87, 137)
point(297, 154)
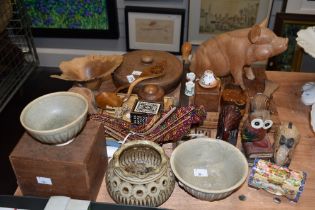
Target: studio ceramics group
point(140, 173)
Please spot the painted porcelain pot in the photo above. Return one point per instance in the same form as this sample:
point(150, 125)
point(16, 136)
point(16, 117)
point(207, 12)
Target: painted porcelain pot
point(140, 174)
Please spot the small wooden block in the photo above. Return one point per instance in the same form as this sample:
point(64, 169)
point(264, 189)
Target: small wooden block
point(209, 98)
point(75, 170)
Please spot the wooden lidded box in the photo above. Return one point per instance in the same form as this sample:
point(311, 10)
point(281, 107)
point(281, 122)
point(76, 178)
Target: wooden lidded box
point(75, 170)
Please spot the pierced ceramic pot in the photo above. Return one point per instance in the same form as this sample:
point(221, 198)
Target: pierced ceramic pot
point(140, 174)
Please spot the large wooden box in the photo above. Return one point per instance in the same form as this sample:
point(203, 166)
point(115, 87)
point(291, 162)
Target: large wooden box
point(75, 170)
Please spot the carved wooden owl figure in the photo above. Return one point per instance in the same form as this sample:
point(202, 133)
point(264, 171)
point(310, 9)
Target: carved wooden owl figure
point(287, 137)
point(255, 128)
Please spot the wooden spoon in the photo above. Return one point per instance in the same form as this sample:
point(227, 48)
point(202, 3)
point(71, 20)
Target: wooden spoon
point(104, 99)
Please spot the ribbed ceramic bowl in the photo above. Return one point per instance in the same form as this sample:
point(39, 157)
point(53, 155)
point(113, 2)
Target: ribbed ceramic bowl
point(55, 118)
point(209, 169)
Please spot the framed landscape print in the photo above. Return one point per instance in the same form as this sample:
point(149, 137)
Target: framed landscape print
point(208, 18)
point(73, 19)
point(149, 28)
point(287, 25)
point(300, 6)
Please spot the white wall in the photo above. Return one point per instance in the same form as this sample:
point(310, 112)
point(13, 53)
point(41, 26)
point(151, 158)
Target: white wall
point(52, 51)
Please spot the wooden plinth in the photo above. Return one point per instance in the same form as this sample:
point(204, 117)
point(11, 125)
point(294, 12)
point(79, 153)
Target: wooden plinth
point(75, 170)
point(207, 97)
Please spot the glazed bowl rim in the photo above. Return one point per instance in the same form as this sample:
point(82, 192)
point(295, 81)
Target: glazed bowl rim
point(210, 140)
point(60, 93)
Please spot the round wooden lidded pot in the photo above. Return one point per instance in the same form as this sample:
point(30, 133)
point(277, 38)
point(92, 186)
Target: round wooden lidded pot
point(152, 93)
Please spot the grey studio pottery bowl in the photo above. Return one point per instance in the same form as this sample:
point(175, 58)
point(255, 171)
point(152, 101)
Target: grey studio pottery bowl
point(55, 118)
point(209, 169)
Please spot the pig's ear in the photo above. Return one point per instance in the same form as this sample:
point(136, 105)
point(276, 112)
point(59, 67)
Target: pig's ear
point(254, 34)
point(264, 23)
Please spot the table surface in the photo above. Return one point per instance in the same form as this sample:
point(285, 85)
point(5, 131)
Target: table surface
point(290, 108)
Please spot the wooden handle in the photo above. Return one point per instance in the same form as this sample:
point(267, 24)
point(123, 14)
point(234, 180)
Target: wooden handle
point(140, 79)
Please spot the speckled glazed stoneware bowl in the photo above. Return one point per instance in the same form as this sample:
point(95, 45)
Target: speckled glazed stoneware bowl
point(55, 118)
point(209, 169)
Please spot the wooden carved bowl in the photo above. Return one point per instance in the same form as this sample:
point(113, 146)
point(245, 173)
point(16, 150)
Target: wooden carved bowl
point(140, 174)
point(89, 71)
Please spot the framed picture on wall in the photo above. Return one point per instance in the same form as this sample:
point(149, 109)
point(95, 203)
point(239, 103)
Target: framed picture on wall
point(208, 18)
point(300, 6)
point(287, 25)
point(73, 19)
point(149, 28)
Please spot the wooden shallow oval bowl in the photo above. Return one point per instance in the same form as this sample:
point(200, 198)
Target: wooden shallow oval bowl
point(133, 62)
point(89, 71)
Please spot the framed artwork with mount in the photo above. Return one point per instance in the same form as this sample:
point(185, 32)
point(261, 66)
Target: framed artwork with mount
point(208, 18)
point(300, 6)
point(73, 19)
point(149, 28)
point(287, 25)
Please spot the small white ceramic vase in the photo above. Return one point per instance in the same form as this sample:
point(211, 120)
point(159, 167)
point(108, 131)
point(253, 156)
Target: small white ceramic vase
point(190, 88)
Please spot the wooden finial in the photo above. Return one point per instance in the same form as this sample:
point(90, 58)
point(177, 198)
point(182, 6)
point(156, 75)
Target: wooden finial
point(186, 50)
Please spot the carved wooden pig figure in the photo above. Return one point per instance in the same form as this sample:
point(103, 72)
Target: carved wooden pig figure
point(232, 52)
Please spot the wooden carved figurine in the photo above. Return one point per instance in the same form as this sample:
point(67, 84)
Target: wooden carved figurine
point(254, 131)
point(234, 51)
point(233, 102)
point(286, 139)
point(229, 121)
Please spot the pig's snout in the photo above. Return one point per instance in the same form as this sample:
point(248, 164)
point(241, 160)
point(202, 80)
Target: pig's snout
point(279, 45)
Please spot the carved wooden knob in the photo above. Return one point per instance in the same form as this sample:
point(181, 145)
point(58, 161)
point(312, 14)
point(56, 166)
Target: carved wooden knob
point(147, 59)
point(152, 93)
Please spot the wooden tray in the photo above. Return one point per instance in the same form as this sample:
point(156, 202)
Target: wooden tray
point(132, 62)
